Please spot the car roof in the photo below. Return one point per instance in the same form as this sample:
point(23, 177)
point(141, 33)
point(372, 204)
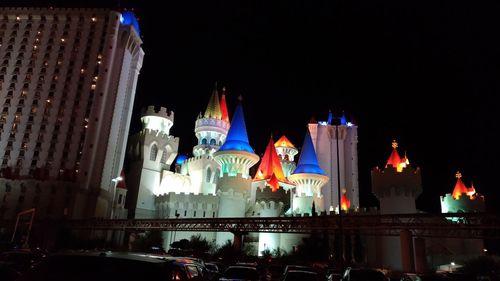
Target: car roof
point(109, 254)
point(302, 271)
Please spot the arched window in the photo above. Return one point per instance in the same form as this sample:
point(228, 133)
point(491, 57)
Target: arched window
point(164, 156)
point(209, 174)
point(216, 176)
point(213, 142)
point(204, 141)
point(154, 152)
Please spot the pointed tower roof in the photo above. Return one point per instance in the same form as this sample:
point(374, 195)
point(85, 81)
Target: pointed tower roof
point(308, 162)
point(460, 187)
point(284, 142)
point(237, 138)
point(121, 183)
point(270, 167)
point(330, 117)
point(223, 106)
point(345, 203)
point(213, 107)
point(343, 119)
point(394, 159)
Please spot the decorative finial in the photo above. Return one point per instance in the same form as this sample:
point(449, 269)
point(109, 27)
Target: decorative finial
point(224, 90)
point(215, 86)
point(344, 190)
point(458, 175)
point(240, 98)
point(394, 144)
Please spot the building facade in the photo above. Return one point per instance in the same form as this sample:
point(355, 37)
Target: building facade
point(216, 181)
point(67, 88)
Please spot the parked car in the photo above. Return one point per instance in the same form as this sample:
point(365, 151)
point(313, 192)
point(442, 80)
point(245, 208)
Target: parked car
point(363, 274)
point(240, 272)
point(301, 275)
point(84, 266)
point(425, 277)
point(21, 260)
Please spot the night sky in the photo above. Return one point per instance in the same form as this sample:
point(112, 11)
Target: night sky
point(422, 72)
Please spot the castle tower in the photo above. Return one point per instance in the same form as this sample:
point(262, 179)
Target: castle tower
point(308, 178)
point(286, 151)
point(463, 199)
point(235, 157)
point(211, 131)
point(271, 196)
point(324, 137)
point(152, 151)
point(396, 187)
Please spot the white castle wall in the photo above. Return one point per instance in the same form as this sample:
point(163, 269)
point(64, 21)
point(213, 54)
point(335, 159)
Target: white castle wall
point(269, 241)
point(186, 205)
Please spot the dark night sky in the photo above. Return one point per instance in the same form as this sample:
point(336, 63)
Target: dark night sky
point(422, 72)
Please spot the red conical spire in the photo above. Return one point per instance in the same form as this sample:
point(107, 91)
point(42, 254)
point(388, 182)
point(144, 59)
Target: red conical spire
point(270, 167)
point(223, 106)
point(394, 159)
point(460, 187)
point(345, 203)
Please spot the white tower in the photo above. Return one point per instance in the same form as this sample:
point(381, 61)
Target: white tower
point(152, 151)
point(325, 139)
point(211, 131)
point(236, 157)
point(396, 187)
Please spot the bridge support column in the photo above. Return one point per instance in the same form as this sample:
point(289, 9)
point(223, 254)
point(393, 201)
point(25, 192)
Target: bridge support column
point(237, 241)
point(405, 237)
point(420, 259)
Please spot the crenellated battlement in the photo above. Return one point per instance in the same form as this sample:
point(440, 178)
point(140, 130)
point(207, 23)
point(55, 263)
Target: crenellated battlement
point(464, 204)
point(159, 134)
point(161, 112)
point(269, 205)
point(266, 194)
point(196, 158)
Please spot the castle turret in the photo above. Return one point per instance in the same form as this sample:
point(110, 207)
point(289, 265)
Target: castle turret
point(151, 151)
point(397, 186)
point(211, 130)
point(286, 151)
point(463, 199)
point(308, 178)
point(271, 196)
point(236, 157)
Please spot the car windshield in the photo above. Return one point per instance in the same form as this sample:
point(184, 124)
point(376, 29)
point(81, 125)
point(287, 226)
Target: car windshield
point(85, 268)
point(241, 273)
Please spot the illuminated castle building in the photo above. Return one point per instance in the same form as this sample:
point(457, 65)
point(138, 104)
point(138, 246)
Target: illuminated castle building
point(463, 199)
point(216, 182)
point(397, 187)
point(67, 87)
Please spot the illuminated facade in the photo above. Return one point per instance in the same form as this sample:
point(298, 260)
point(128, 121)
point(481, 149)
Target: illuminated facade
point(67, 88)
point(216, 180)
point(325, 140)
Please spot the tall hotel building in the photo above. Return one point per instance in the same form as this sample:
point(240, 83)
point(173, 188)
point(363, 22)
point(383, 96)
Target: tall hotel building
point(67, 87)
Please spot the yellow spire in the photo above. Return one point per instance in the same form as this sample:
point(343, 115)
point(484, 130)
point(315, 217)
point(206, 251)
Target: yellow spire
point(213, 107)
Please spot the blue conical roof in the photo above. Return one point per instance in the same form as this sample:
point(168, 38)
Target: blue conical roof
point(343, 119)
point(237, 138)
point(308, 162)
